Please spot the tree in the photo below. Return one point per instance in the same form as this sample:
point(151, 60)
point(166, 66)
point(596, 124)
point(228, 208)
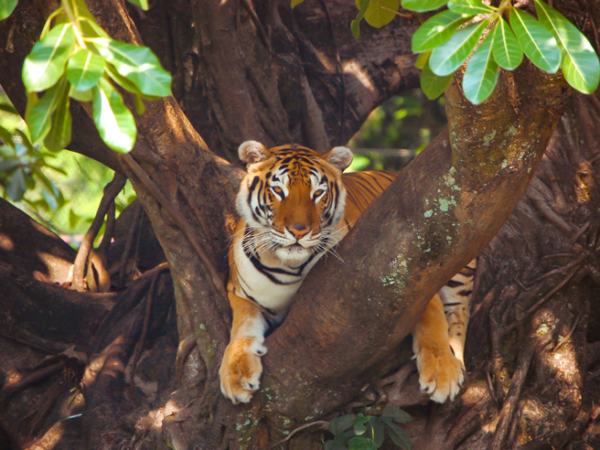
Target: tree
point(269, 73)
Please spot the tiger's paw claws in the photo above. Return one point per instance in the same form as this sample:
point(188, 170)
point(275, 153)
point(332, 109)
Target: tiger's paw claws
point(440, 375)
point(241, 369)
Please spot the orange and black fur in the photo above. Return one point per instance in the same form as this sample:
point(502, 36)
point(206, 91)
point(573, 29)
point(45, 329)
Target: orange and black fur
point(296, 205)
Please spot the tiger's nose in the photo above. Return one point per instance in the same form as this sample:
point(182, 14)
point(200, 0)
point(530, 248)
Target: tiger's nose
point(299, 230)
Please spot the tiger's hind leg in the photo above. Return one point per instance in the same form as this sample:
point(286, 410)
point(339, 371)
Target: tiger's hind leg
point(456, 297)
point(440, 372)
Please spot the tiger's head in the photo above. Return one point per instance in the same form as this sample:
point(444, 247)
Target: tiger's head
point(293, 198)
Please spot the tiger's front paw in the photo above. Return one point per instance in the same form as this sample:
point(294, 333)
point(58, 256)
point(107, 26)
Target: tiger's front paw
point(441, 374)
point(241, 369)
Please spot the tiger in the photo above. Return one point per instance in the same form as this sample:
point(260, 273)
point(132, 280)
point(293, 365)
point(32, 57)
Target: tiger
point(295, 205)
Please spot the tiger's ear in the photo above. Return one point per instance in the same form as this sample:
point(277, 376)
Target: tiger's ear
point(252, 152)
point(340, 157)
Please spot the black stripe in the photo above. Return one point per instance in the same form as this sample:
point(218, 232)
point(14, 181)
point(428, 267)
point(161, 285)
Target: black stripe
point(452, 304)
point(465, 293)
point(453, 283)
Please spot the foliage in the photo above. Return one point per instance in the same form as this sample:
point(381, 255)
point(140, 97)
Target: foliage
point(360, 432)
point(62, 190)
point(76, 59)
point(470, 27)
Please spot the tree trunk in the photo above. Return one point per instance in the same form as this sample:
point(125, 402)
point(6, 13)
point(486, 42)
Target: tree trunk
point(265, 72)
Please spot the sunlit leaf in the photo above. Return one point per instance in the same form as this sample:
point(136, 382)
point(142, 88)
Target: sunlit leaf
point(138, 64)
point(46, 62)
point(362, 6)
point(84, 69)
point(580, 64)
point(141, 3)
point(448, 57)
point(536, 41)
point(296, 3)
point(39, 117)
point(470, 7)
point(114, 121)
point(423, 5)
point(7, 7)
point(481, 74)
point(506, 49)
point(16, 186)
point(380, 12)
point(436, 30)
point(60, 131)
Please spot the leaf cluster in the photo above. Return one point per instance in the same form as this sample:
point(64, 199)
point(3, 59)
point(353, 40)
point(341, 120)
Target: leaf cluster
point(360, 432)
point(22, 167)
point(492, 37)
point(471, 28)
point(76, 59)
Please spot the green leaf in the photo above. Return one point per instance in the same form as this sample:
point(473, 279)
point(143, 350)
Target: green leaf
point(341, 424)
point(378, 431)
point(436, 30)
point(361, 444)
point(46, 62)
point(432, 85)
point(39, 118)
point(536, 41)
point(140, 108)
point(8, 108)
point(73, 219)
point(7, 7)
point(448, 57)
point(334, 445)
point(16, 186)
point(422, 59)
point(138, 64)
point(399, 415)
point(506, 49)
point(423, 5)
point(359, 428)
point(6, 137)
point(141, 3)
point(398, 435)
point(362, 6)
point(60, 131)
point(114, 121)
point(481, 75)
point(470, 7)
point(85, 69)
point(25, 140)
point(82, 96)
point(380, 12)
point(580, 64)
point(7, 165)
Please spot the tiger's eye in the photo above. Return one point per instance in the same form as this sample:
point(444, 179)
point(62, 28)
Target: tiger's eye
point(277, 190)
point(318, 193)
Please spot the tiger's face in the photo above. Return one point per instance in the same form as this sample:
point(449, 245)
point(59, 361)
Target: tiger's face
point(293, 199)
